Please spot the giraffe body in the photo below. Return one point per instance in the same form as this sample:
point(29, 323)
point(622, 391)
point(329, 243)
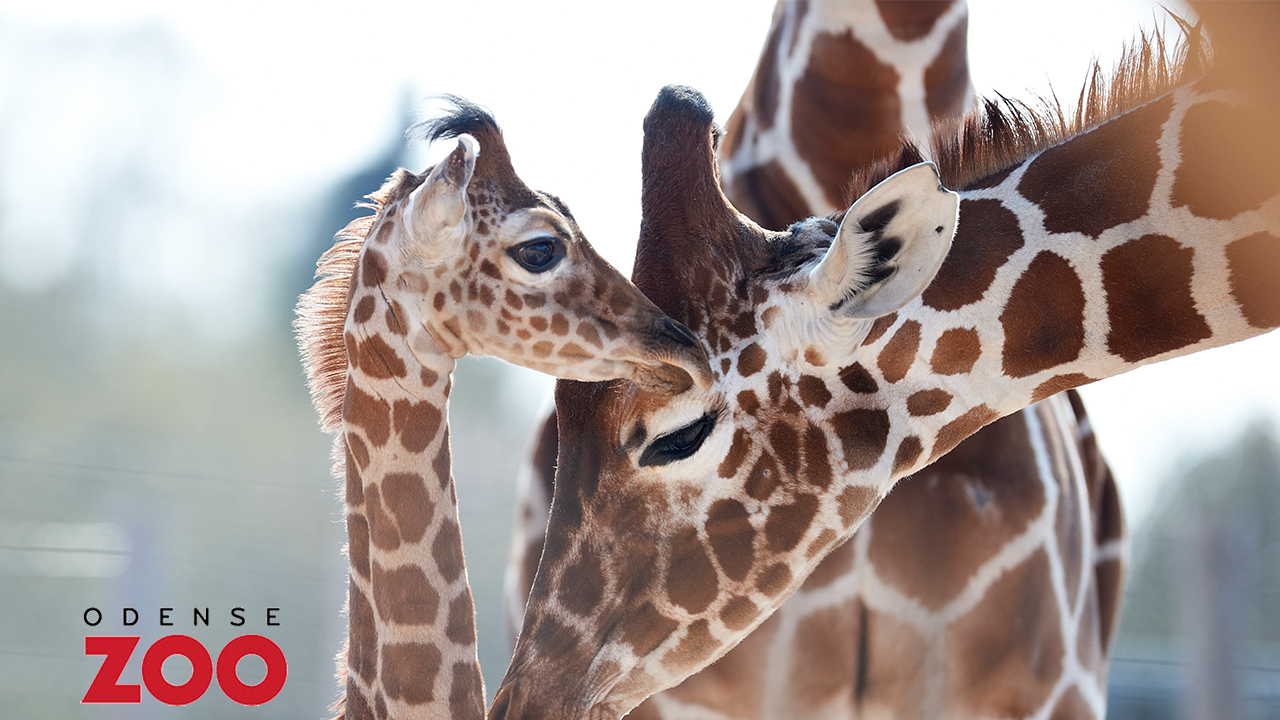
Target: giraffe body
point(823, 653)
point(1147, 233)
point(462, 259)
point(837, 85)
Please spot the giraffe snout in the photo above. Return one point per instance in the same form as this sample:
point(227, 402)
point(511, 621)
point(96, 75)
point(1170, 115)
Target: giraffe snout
point(678, 358)
point(679, 333)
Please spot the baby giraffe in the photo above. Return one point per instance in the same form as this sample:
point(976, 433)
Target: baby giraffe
point(463, 258)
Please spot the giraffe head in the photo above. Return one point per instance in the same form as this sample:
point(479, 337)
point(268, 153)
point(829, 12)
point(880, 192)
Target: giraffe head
point(470, 260)
point(673, 533)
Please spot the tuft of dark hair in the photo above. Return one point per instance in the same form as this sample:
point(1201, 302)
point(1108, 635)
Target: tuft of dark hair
point(460, 116)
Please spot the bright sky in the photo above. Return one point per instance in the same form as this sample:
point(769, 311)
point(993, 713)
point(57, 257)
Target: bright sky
point(262, 105)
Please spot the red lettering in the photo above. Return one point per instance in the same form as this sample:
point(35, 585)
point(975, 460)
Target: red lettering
point(201, 670)
point(105, 688)
point(277, 670)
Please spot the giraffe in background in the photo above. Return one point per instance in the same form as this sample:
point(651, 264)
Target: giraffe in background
point(1142, 229)
point(463, 258)
point(1015, 484)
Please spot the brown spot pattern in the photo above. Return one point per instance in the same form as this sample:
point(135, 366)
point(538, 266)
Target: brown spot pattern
point(559, 324)
point(467, 692)
point(731, 536)
point(900, 352)
point(403, 595)
point(863, 433)
point(947, 77)
point(358, 544)
point(353, 491)
point(833, 566)
point(1044, 317)
point(447, 550)
point(763, 478)
point(1058, 383)
point(370, 414)
point(774, 579)
point(378, 360)
point(362, 635)
point(738, 612)
point(409, 671)
point(373, 268)
point(813, 391)
point(646, 628)
point(691, 578)
point(987, 236)
point(738, 450)
point(364, 309)
point(956, 351)
point(908, 452)
point(854, 502)
point(382, 530)
point(879, 326)
point(858, 379)
point(1149, 303)
point(928, 402)
point(415, 423)
point(1222, 176)
point(821, 673)
point(1008, 651)
point(861, 110)
point(1253, 283)
point(442, 466)
point(767, 195)
point(751, 360)
point(406, 496)
point(1102, 178)
point(786, 524)
point(462, 619)
point(817, 462)
point(588, 332)
point(962, 427)
point(696, 646)
point(785, 442)
point(940, 524)
point(582, 585)
point(911, 20)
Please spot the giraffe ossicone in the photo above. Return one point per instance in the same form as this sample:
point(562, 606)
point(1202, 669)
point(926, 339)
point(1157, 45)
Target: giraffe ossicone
point(464, 258)
point(1083, 251)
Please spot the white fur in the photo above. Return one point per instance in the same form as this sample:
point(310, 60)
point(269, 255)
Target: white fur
point(925, 224)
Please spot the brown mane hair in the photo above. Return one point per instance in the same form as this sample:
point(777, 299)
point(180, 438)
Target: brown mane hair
point(322, 310)
point(1003, 131)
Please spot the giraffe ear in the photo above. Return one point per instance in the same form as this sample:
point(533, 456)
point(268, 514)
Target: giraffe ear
point(890, 245)
point(436, 219)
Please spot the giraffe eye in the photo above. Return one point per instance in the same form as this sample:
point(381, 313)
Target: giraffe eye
point(680, 444)
point(538, 255)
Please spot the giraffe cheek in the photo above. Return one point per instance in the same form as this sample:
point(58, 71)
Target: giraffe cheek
point(691, 578)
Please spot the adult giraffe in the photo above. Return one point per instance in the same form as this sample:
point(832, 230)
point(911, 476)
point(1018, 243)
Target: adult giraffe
point(858, 74)
point(463, 258)
point(1144, 230)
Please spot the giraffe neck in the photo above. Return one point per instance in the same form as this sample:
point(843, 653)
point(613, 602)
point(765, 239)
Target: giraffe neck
point(836, 87)
point(1147, 238)
point(411, 648)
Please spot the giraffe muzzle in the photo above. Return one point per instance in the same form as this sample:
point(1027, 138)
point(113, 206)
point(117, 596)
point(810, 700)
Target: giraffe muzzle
point(677, 360)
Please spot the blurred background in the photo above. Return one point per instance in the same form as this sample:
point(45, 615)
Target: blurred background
point(170, 173)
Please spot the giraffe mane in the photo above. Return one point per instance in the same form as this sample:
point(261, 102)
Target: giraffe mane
point(459, 116)
point(322, 310)
point(1004, 131)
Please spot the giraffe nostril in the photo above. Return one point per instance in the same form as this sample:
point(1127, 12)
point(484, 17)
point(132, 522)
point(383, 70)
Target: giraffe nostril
point(678, 332)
